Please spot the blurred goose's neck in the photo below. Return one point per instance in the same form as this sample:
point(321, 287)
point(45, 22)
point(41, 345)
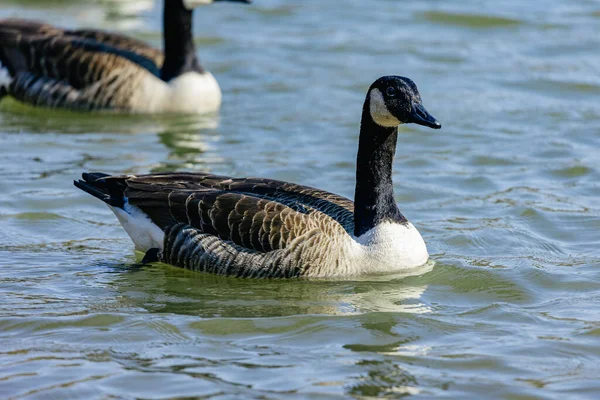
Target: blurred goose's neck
point(180, 52)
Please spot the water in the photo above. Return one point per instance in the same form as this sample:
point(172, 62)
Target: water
point(505, 195)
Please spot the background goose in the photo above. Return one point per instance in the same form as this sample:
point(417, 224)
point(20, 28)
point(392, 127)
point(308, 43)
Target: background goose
point(94, 70)
point(265, 228)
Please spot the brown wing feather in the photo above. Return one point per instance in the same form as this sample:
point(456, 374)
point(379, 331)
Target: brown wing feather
point(299, 198)
point(258, 214)
point(242, 219)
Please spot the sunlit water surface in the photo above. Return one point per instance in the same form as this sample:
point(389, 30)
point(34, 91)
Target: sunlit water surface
point(506, 195)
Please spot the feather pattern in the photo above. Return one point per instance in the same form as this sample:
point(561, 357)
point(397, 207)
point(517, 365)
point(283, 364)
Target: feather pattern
point(259, 214)
point(122, 42)
point(245, 227)
point(297, 197)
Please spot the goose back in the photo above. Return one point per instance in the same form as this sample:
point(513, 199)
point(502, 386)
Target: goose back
point(122, 42)
point(221, 205)
point(298, 197)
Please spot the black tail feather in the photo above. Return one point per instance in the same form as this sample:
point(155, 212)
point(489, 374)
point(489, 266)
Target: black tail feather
point(109, 191)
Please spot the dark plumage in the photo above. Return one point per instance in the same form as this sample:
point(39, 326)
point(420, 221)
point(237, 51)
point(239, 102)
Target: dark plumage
point(250, 212)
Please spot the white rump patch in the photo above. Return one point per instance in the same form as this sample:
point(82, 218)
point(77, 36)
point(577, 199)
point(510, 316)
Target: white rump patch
point(5, 78)
point(379, 111)
point(144, 233)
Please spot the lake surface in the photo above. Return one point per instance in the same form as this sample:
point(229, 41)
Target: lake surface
point(506, 195)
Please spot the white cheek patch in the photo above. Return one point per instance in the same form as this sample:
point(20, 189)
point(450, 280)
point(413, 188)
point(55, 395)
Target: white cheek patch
point(5, 78)
point(191, 4)
point(379, 111)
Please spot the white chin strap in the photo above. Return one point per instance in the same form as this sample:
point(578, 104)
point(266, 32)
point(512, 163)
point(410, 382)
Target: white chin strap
point(191, 4)
point(379, 111)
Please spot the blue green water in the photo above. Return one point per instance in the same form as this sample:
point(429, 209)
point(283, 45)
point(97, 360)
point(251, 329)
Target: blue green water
point(506, 195)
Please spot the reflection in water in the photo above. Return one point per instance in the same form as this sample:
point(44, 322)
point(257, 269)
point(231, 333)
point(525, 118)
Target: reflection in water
point(110, 14)
point(383, 379)
point(189, 141)
point(272, 315)
point(15, 117)
point(162, 288)
point(114, 143)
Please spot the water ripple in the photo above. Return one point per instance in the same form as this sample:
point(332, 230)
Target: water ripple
point(505, 195)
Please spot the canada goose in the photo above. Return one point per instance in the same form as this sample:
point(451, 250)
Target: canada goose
point(92, 70)
point(252, 227)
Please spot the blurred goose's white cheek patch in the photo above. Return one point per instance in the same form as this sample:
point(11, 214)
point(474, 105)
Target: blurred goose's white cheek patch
point(191, 4)
point(379, 111)
point(5, 78)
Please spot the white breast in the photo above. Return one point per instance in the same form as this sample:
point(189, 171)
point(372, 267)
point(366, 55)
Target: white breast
point(390, 247)
point(190, 93)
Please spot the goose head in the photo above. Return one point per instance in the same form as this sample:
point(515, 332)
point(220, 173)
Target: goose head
point(191, 4)
point(395, 100)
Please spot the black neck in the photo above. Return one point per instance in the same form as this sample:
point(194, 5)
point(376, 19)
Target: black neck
point(374, 196)
point(180, 52)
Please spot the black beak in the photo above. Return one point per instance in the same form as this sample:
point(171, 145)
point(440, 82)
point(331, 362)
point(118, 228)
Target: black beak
point(422, 117)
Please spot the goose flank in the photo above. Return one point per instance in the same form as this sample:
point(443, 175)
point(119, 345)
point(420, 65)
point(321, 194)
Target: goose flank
point(253, 227)
point(93, 70)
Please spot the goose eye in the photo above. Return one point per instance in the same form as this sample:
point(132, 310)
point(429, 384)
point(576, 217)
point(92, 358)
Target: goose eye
point(391, 91)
